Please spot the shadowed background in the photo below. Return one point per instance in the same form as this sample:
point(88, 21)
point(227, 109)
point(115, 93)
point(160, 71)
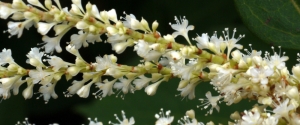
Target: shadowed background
point(206, 16)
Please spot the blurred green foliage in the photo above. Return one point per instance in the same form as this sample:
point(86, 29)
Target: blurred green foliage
point(206, 16)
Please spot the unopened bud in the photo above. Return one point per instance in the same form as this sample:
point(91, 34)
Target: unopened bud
point(48, 4)
point(154, 26)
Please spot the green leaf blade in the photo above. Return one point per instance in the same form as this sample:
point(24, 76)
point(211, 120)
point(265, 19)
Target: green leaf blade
point(275, 22)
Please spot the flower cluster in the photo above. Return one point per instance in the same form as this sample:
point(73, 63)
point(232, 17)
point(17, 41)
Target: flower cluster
point(234, 74)
point(162, 119)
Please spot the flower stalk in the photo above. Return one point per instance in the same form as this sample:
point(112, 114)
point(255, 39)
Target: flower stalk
point(219, 60)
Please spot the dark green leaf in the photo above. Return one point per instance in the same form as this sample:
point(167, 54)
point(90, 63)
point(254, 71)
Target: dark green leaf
point(275, 22)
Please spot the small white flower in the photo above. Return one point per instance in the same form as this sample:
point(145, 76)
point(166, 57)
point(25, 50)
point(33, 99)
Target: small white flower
point(282, 110)
point(40, 75)
point(142, 48)
point(295, 119)
point(202, 41)
point(164, 118)
point(83, 38)
point(185, 71)
point(260, 75)
point(48, 91)
point(277, 61)
point(7, 84)
point(251, 118)
point(105, 88)
point(76, 85)
point(210, 101)
point(57, 63)
point(95, 122)
point(189, 90)
point(121, 46)
point(5, 57)
point(106, 62)
point(15, 87)
point(79, 40)
point(189, 119)
point(125, 121)
point(182, 28)
point(136, 25)
point(223, 76)
point(231, 42)
point(16, 28)
point(128, 18)
point(35, 58)
point(105, 16)
point(141, 82)
point(271, 120)
point(91, 38)
point(173, 56)
point(124, 85)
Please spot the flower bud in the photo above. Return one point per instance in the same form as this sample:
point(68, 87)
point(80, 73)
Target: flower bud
point(76, 86)
point(112, 30)
point(151, 89)
point(235, 116)
point(113, 58)
point(154, 26)
point(75, 10)
point(16, 16)
point(293, 92)
point(13, 67)
point(73, 70)
point(48, 4)
point(257, 60)
point(28, 92)
point(119, 47)
point(236, 55)
point(19, 4)
point(296, 71)
point(82, 25)
point(84, 91)
point(112, 15)
point(88, 7)
point(114, 73)
point(155, 77)
point(182, 84)
point(190, 113)
point(78, 4)
point(145, 24)
point(95, 12)
point(43, 28)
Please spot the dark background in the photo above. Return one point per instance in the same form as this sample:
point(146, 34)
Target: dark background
point(206, 16)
